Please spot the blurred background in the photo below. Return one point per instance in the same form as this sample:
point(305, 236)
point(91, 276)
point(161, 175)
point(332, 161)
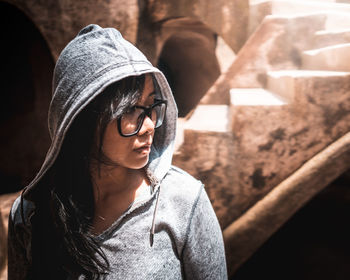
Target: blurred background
point(263, 92)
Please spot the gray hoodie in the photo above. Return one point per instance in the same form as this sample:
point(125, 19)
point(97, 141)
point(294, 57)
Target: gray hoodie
point(168, 232)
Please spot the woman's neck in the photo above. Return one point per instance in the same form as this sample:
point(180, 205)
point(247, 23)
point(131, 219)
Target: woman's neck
point(117, 181)
point(115, 189)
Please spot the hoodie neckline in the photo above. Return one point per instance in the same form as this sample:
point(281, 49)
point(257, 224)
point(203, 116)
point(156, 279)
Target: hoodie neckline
point(145, 197)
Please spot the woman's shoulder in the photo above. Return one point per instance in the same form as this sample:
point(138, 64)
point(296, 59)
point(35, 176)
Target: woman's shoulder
point(178, 183)
point(21, 211)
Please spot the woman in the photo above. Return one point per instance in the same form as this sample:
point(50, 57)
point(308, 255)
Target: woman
point(107, 204)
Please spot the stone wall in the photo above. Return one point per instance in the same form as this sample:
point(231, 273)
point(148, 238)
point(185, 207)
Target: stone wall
point(59, 21)
point(27, 67)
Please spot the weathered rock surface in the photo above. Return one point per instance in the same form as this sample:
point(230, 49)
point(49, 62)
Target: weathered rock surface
point(269, 141)
point(272, 142)
point(244, 236)
point(60, 21)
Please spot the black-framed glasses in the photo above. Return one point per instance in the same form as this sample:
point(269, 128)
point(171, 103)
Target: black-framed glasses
point(130, 122)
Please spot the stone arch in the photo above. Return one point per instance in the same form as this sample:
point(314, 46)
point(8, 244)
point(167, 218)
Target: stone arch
point(26, 75)
point(187, 58)
point(229, 19)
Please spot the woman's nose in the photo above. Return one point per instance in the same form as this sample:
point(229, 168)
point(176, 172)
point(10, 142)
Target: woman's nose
point(147, 126)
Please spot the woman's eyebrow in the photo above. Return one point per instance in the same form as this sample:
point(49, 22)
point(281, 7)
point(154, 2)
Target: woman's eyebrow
point(151, 94)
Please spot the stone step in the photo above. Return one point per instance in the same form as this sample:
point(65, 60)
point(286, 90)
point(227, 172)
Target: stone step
point(289, 84)
point(337, 20)
point(207, 118)
point(332, 58)
point(204, 119)
point(254, 97)
point(326, 38)
point(275, 45)
point(252, 2)
point(337, 13)
point(290, 7)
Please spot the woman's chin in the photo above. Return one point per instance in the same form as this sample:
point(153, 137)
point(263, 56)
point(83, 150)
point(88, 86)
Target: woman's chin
point(140, 162)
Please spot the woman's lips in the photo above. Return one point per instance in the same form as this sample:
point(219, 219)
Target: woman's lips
point(146, 149)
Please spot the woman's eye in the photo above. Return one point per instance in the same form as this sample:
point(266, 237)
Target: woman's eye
point(130, 110)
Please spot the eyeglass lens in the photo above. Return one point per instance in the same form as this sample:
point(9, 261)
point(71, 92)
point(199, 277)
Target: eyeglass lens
point(132, 120)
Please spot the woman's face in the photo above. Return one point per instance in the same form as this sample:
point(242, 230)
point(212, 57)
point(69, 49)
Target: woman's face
point(132, 152)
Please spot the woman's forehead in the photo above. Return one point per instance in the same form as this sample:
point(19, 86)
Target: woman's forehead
point(148, 90)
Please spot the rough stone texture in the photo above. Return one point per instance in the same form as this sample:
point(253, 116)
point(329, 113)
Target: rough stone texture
point(229, 19)
point(332, 58)
point(253, 228)
point(276, 45)
point(59, 21)
point(268, 143)
point(290, 134)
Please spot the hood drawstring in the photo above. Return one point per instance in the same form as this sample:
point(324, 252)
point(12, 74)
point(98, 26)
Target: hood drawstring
point(154, 218)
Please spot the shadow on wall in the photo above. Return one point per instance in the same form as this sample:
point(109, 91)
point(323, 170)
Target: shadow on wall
point(26, 74)
point(188, 60)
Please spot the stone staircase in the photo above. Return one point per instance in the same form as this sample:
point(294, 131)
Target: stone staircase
point(337, 10)
point(285, 98)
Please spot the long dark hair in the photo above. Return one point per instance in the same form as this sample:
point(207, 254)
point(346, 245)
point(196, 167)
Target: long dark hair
point(62, 244)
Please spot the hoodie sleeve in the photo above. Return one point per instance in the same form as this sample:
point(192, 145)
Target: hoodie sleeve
point(204, 254)
point(18, 245)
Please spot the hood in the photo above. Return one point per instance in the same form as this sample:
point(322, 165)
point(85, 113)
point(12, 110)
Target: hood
point(94, 59)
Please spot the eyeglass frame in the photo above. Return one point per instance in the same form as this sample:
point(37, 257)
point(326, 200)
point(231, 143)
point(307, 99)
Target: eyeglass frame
point(147, 111)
